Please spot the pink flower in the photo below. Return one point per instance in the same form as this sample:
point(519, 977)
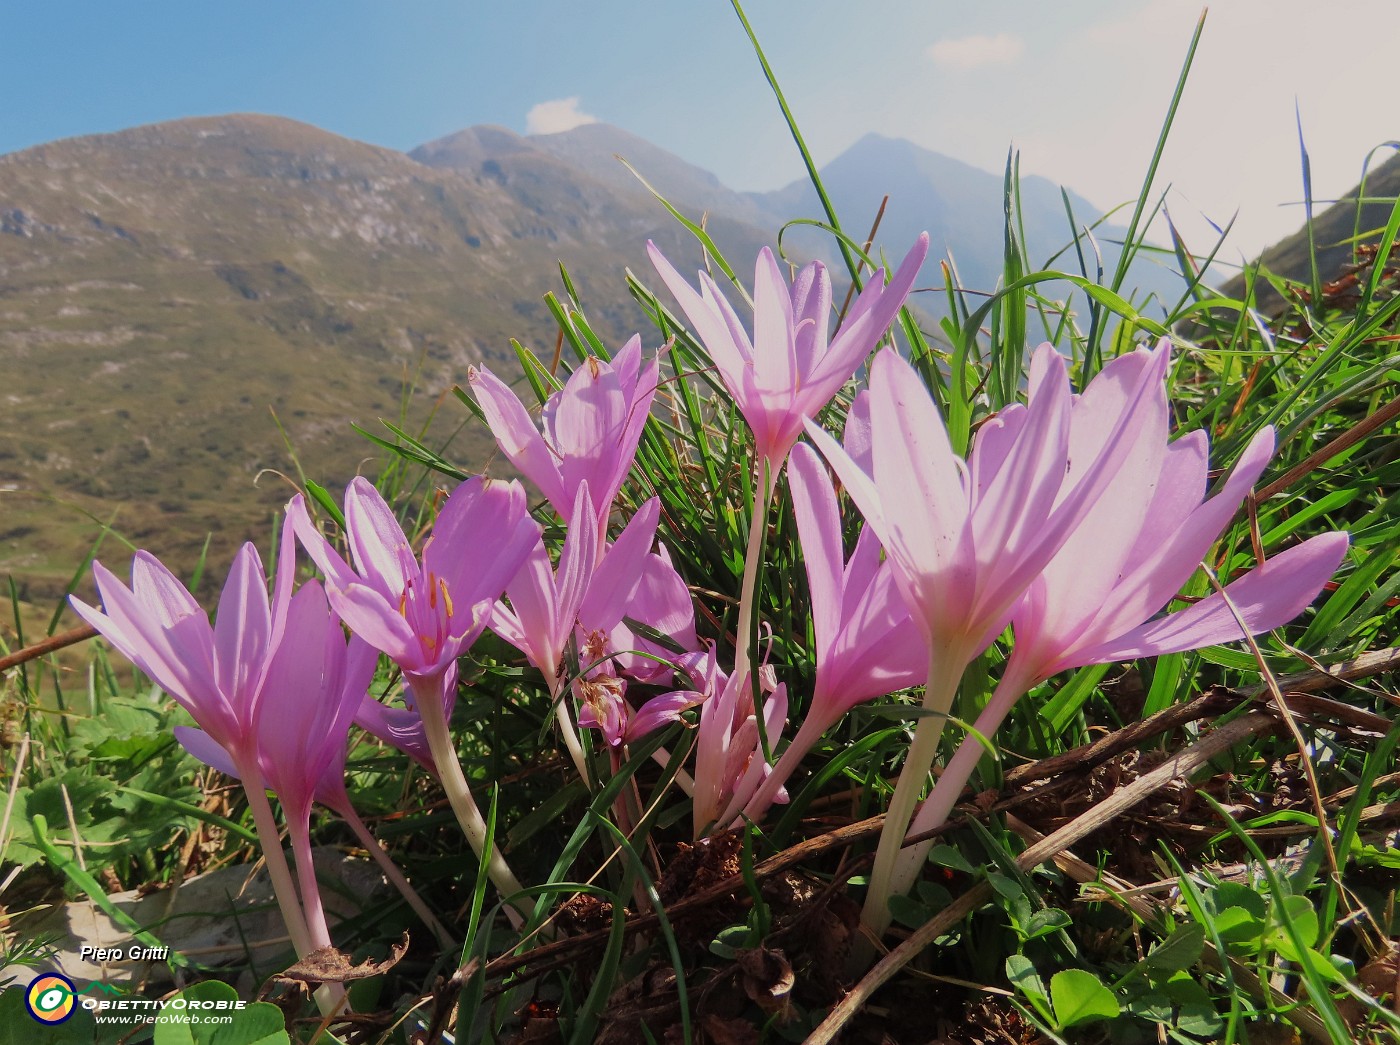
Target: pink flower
point(730, 765)
point(967, 541)
point(1098, 599)
point(544, 603)
point(234, 679)
point(215, 672)
point(605, 708)
point(591, 427)
point(313, 685)
point(633, 582)
point(788, 372)
point(865, 642)
point(423, 617)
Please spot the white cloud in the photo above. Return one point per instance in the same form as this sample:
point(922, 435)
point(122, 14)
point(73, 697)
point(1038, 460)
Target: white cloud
point(556, 115)
point(971, 52)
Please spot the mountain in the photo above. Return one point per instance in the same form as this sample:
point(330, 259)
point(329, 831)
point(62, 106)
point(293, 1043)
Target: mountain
point(558, 166)
point(161, 288)
point(1333, 229)
point(960, 206)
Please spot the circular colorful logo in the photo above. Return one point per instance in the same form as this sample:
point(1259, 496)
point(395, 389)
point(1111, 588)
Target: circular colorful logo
point(51, 998)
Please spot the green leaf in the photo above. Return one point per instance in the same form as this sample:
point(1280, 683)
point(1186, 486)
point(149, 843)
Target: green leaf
point(1236, 926)
point(1021, 974)
point(1181, 950)
point(259, 1023)
point(1152, 1006)
point(908, 911)
point(732, 939)
point(1046, 921)
point(944, 855)
point(1233, 894)
point(1300, 912)
point(1009, 888)
point(1079, 997)
point(1200, 1021)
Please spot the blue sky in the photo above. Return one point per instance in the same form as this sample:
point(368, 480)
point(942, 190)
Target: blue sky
point(1079, 85)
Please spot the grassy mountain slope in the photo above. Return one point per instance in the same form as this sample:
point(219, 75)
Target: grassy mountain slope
point(163, 287)
point(1333, 229)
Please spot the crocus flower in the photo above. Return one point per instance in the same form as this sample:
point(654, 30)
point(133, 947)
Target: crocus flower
point(864, 641)
point(313, 687)
point(729, 761)
point(603, 699)
point(424, 616)
point(591, 427)
point(302, 736)
point(633, 582)
point(217, 673)
point(967, 542)
point(787, 372)
point(214, 672)
point(1098, 599)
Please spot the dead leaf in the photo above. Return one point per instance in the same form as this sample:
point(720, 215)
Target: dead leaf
point(768, 980)
point(328, 965)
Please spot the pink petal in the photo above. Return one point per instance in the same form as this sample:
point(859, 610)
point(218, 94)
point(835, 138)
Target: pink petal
point(381, 625)
point(377, 542)
point(336, 570)
point(1163, 569)
point(205, 748)
point(531, 594)
point(243, 626)
point(731, 357)
point(819, 530)
point(856, 437)
point(774, 339)
point(480, 539)
point(661, 711)
point(811, 311)
point(516, 433)
point(992, 444)
point(922, 494)
point(1012, 513)
point(160, 591)
point(398, 727)
point(866, 322)
point(577, 561)
point(1267, 597)
point(585, 427)
point(619, 572)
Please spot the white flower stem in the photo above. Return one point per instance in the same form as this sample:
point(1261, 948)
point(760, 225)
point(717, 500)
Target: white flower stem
point(459, 796)
point(560, 696)
point(277, 870)
point(763, 493)
point(936, 808)
point(944, 673)
point(392, 872)
point(318, 933)
point(329, 997)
